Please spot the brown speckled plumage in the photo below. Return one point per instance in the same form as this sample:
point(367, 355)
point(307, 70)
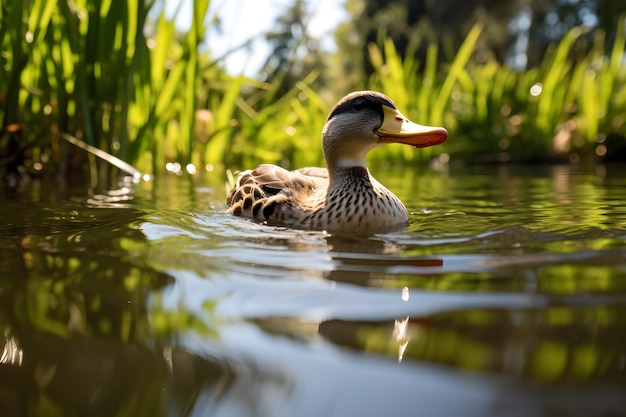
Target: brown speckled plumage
point(344, 197)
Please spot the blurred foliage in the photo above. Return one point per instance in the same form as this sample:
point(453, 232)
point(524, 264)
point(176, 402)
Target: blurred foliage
point(295, 53)
point(565, 103)
point(130, 84)
point(516, 33)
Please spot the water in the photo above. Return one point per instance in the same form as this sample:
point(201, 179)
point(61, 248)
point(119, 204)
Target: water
point(506, 295)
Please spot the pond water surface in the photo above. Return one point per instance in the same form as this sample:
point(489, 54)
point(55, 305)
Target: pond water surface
point(506, 295)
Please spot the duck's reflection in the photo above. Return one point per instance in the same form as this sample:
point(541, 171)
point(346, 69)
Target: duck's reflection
point(373, 261)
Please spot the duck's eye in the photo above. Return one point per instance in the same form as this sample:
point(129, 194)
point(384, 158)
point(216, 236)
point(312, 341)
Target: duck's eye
point(359, 104)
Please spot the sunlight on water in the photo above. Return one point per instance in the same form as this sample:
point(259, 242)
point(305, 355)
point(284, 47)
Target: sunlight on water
point(506, 292)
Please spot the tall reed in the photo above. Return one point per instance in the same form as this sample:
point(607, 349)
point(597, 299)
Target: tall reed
point(115, 78)
point(104, 72)
point(562, 110)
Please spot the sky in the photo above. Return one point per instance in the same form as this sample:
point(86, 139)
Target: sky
point(250, 19)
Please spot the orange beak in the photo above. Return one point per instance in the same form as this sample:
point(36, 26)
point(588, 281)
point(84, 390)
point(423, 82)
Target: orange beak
point(397, 128)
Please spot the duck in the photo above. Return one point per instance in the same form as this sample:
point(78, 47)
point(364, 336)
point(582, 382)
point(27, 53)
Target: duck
point(343, 197)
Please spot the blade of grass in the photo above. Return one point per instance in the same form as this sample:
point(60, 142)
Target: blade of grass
point(455, 72)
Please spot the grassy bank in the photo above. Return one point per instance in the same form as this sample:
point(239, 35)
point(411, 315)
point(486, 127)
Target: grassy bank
point(102, 72)
point(571, 108)
point(119, 77)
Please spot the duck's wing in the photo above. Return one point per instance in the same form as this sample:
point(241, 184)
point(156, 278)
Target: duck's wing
point(315, 172)
point(257, 187)
point(273, 179)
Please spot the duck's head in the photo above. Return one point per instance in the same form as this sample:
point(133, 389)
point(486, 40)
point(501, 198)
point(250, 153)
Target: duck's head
point(363, 120)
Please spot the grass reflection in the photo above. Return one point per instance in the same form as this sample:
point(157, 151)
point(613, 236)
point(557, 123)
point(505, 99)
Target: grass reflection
point(555, 344)
point(80, 335)
point(561, 279)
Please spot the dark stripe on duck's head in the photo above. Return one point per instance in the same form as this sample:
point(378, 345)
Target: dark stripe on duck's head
point(361, 100)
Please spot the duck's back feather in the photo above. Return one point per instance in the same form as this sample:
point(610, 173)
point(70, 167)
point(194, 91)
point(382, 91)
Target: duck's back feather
point(266, 191)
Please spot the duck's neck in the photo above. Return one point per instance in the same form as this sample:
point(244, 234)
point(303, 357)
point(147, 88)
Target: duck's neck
point(349, 178)
point(342, 162)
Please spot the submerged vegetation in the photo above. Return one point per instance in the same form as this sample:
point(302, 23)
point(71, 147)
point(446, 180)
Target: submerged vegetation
point(118, 76)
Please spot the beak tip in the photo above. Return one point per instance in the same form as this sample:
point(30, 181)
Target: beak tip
point(435, 138)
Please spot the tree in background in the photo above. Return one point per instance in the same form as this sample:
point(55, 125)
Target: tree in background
point(295, 53)
point(550, 20)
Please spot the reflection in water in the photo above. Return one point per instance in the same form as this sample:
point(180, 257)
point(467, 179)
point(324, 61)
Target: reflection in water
point(553, 344)
point(400, 333)
point(73, 310)
point(506, 295)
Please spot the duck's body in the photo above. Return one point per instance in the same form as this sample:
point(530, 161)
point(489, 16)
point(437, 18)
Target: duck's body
point(304, 199)
point(344, 197)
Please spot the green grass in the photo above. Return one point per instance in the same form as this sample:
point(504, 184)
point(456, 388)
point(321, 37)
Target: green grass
point(494, 113)
point(108, 75)
point(92, 69)
point(562, 110)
